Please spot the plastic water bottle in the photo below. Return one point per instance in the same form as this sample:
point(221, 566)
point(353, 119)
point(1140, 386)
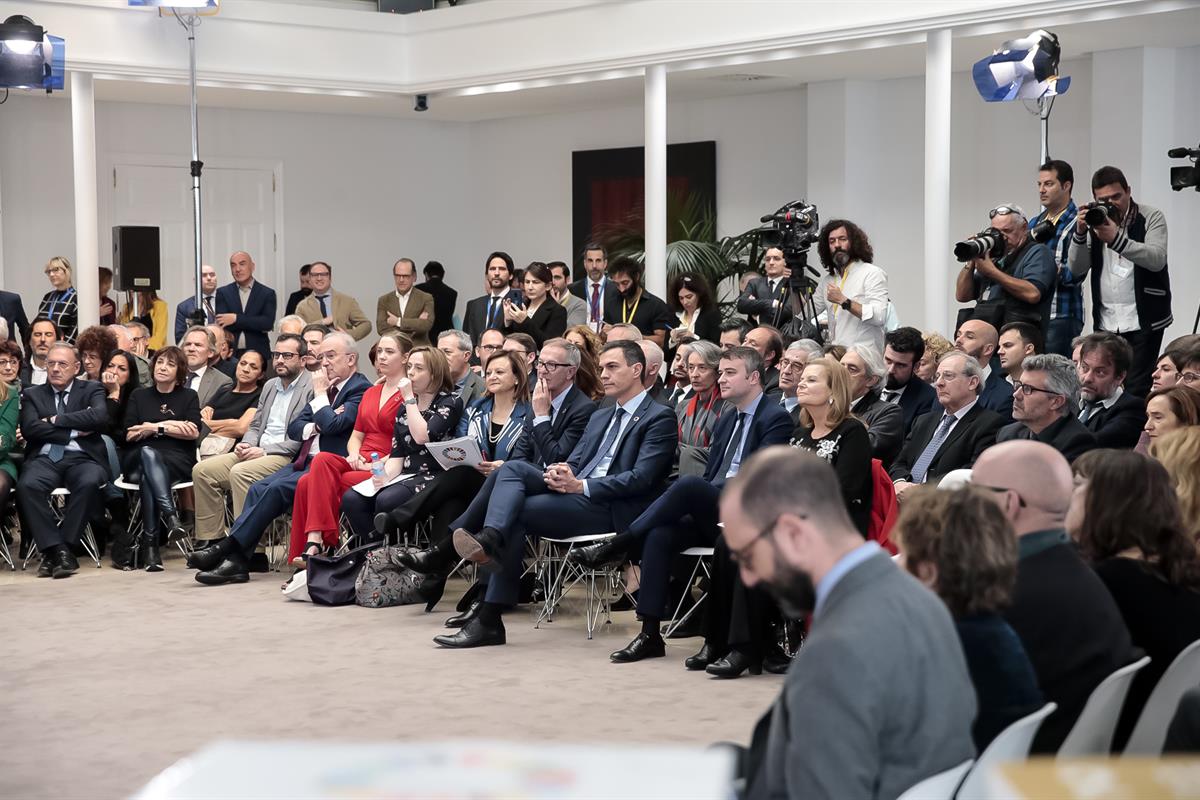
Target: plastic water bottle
point(377, 467)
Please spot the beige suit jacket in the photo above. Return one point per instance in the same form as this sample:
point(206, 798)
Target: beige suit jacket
point(347, 314)
point(411, 324)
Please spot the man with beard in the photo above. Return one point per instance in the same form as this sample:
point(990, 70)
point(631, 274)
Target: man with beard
point(844, 726)
point(905, 347)
point(487, 311)
point(853, 294)
point(1106, 409)
point(637, 307)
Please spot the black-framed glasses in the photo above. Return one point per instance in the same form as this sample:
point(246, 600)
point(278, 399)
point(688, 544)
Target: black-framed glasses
point(741, 555)
point(1026, 389)
point(284, 356)
point(1002, 490)
point(551, 366)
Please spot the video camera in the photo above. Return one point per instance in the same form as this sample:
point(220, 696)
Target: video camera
point(988, 241)
point(793, 230)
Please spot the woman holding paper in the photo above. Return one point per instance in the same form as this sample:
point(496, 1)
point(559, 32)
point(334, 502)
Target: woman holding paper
point(318, 494)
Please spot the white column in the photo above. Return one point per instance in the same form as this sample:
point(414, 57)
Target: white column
point(939, 293)
point(656, 179)
point(87, 235)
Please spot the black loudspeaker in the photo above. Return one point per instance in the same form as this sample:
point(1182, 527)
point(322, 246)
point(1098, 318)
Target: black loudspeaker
point(137, 263)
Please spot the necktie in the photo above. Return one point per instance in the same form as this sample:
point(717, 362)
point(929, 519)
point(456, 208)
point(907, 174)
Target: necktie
point(191, 380)
point(595, 306)
point(735, 442)
point(493, 304)
point(774, 284)
point(889, 395)
point(321, 298)
point(1089, 409)
point(209, 311)
point(60, 405)
point(920, 468)
point(610, 439)
point(306, 448)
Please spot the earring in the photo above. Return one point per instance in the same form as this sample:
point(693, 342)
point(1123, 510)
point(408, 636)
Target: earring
point(831, 401)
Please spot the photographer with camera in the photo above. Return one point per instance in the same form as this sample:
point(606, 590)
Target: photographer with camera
point(1053, 228)
point(853, 294)
point(1008, 275)
point(1124, 245)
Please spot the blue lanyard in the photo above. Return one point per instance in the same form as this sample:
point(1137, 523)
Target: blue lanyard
point(63, 298)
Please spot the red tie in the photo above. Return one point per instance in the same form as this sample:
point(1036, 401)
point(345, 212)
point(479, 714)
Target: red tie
point(306, 448)
point(595, 302)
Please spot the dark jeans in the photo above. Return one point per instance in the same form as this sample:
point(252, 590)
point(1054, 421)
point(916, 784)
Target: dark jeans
point(1060, 333)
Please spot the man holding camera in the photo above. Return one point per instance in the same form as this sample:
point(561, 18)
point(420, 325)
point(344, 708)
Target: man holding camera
point(853, 294)
point(1053, 228)
point(1010, 281)
point(1124, 245)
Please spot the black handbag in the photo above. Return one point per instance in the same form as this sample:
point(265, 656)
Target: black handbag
point(331, 579)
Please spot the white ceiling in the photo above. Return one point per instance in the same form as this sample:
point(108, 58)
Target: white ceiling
point(1169, 29)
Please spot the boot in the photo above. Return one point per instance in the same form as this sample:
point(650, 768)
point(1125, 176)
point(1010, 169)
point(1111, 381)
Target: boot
point(437, 560)
point(210, 557)
point(176, 531)
point(431, 591)
point(152, 559)
point(390, 523)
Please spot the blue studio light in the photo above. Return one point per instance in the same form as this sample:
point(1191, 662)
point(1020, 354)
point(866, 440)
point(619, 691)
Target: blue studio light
point(1022, 69)
point(29, 57)
point(198, 4)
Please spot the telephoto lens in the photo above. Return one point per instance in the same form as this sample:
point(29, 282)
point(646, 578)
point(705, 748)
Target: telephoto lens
point(986, 242)
point(1043, 232)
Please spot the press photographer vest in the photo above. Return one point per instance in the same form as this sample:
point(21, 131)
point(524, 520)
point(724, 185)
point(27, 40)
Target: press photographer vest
point(1151, 290)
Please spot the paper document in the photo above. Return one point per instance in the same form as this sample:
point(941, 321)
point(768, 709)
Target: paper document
point(367, 488)
point(463, 451)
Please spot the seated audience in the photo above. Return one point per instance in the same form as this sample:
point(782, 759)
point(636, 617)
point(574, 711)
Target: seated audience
point(292, 323)
point(1189, 367)
point(696, 312)
point(636, 306)
point(226, 359)
point(208, 304)
point(1127, 521)
point(1018, 341)
point(541, 317)
point(1116, 417)
point(587, 340)
point(338, 310)
point(523, 345)
point(787, 527)
point(652, 379)
point(42, 333)
point(10, 410)
point(150, 310)
point(733, 332)
point(903, 353)
point(200, 348)
point(96, 345)
point(936, 346)
point(1068, 622)
point(622, 332)
point(10, 364)
point(959, 544)
point(1044, 402)
point(791, 366)
point(952, 438)
point(120, 379)
point(456, 347)
point(314, 334)
point(698, 414)
point(405, 310)
point(491, 342)
point(227, 416)
point(769, 344)
point(1168, 410)
point(1179, 452)
point(164, 418)
point(60, 305)
point(884, 421)
point(978, 339)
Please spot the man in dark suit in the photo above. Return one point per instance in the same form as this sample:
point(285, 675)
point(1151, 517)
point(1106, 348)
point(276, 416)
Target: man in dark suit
point(953, 437)
point(444, 298)
point(979, 340)
point(766, 299)
point(61, 421)
point(595, 288)
point(614, 472)
point(295, 298)
point(903, 350)
point(1116, 417)
point(686, 514)
point(884, 421)
point(1062, 612)
point(14, 314)
point(1044, 403)
point(325, 425)
point(487, 311)
point(208, 301)
point(769, 344)
point(247, 307)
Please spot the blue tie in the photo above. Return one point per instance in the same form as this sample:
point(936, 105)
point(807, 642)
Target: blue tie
point(920, 468)
point(324, 308)
point(57, 450)
point(609, 440)
point(735, 443)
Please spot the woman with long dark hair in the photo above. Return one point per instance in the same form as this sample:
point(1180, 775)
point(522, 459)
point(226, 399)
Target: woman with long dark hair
point(232, 408)
point(691, 298)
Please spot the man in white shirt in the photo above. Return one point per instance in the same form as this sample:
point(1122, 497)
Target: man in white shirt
point(199, 347)
point(852, 297)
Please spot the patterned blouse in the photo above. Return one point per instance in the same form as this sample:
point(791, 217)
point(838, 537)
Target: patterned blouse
point(442, 419)
point(63, 309)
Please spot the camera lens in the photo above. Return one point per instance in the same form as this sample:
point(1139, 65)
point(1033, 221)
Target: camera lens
point(1095, 215)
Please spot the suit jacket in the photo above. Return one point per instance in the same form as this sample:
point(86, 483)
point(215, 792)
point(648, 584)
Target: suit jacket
point(444, 301)
point(346, 313)
point(577, 310)
point(642, 461)
point(183, 311)
point(548, 322)
point(1068, 436)
point(300, 397)
point(86, 412)
point(256, 321)
point(878, 735)
point(771, 424)
point(294, 300)
point(918, 398)
point(212, 380)
point(473, 388)
point(1119, 426)
point(551, 442)
point(12, 311)
point(757, 299)
point(608, 295)
point(973, 434)
point(708, 324)
point(335, 422)
point(475, 317)
point(997, 396)
point(885, 426)
point(411, 323)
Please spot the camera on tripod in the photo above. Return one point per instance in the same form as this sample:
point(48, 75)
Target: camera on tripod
point(793, 230)
point(989, 242)
point(1096, 212)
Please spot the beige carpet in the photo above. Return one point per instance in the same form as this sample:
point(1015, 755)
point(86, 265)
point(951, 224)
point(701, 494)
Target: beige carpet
point(111, 676)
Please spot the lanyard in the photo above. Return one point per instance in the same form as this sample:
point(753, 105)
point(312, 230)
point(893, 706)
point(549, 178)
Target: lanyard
point(627, 315)
point(842, 286)
point(62, 297)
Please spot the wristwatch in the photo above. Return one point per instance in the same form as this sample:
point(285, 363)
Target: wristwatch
point(411, 402)
point(162, 430)
point(846, 304)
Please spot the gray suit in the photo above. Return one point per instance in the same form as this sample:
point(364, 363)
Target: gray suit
point(472, 389)
point(577, 311)
point(877, 699)
point(300, 398)
point(211, 381)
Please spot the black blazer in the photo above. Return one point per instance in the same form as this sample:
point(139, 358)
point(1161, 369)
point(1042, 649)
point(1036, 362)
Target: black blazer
point(1068, 436)
point(475, 316)
point(256, 321)
point(973, 434)
point(997, 395)
point(756, 302)
point(444, 301)
point(294, 300)
point(771, 424)
point(86, 412)
point(918, 398)
point(12, 310)
point(1120, 426)
point(552, 442)
point(708, 324)
point(885, 426)
point(548, 322)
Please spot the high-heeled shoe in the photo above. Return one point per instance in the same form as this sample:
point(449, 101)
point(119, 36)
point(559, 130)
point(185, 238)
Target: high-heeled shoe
point(431, 591)
point(153, 560)
point(301, 561)
point(733, 665)
point(437, 560)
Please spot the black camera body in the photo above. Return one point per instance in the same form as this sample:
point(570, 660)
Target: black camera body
point(1043, 232)
point(989, 242)
point(1096, 212)
point(794, 229)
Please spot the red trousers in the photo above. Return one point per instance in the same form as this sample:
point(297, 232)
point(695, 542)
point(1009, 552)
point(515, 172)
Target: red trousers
point(319, 499)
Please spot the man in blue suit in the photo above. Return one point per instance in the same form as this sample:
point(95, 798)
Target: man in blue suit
point(14, 314)
point(686, 515)
point(325, 424)
point(614, 472)
point(903, 350)
point(246, 307)
point(208, 301)
point(979, 340)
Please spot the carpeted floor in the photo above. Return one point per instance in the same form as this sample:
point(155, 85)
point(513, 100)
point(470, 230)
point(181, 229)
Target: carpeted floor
point(111, 676)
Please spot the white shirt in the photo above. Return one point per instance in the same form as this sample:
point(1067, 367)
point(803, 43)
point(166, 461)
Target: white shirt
point(601, 469)
point(892, 395)
point(275, 431)
point(403, 300)
point(37, 375)
point(194, 385)
point(244, 296)
point(867, 285)
point(1107, 402)
point(748, 416)
point(318, 402)
point(1118, 312)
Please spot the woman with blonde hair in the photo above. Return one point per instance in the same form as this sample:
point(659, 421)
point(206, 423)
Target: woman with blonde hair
point(1179, 452)
point(61, 304)
point(936, 346)
point(828, 429)
point(150, 310)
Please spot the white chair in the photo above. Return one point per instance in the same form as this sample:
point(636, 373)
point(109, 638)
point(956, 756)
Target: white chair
point(135, 528)
point(562, 575)
point(1093, 731)
point(703, 556)
point(940, 786)
point(1011, 744)
point(1151, 729)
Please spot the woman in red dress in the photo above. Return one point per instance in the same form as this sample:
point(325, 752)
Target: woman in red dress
point(319, 493)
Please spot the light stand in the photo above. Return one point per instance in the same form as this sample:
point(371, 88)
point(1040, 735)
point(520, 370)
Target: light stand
point(1041, 109)
point(189, 23)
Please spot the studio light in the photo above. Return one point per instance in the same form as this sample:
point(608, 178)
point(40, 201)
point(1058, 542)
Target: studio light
point(1022, 69)
point(181, 4)
point(29, 57)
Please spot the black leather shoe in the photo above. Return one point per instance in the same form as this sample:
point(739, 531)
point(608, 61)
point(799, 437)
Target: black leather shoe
point(643, 646)
point(595, 556)
point(459, 620)
point(65, 563)
point(473, 634)
point(733, 665)
point(434, 561)
point(46, 568)
point(481, 548)
point(234, 569)
point(260, 563)
point(705, 656)
point(776, 663)
point(176, 531)
point(210, 557)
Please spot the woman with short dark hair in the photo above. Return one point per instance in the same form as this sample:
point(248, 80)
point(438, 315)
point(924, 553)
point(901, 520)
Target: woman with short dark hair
point(542, 317)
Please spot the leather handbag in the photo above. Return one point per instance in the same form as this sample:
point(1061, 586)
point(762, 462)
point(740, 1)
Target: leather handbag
point(331, 579)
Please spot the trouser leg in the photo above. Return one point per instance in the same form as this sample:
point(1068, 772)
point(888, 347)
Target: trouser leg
point(211, 480)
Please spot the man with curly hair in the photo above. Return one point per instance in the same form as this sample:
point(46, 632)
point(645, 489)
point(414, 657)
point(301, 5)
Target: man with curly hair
point(852, 297)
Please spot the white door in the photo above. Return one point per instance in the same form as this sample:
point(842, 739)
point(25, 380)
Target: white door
point(238, 214)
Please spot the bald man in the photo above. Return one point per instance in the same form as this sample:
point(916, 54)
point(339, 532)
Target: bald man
point(979, 340)
point(652, 380)
point(1066, 619)
point(247, 307)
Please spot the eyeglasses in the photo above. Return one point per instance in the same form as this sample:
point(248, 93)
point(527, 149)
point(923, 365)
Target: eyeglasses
point(491, 348)
point(551, 366)
point(328, 356)
point(741, 555)
point(788, 365)
point(945, 376)
point(1026, 389)
point(318, 274)
point(54, 270)
point(284, 356)
point(1002, 490)
point(57, 364)
point(1189, 377)
point(9, 362)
